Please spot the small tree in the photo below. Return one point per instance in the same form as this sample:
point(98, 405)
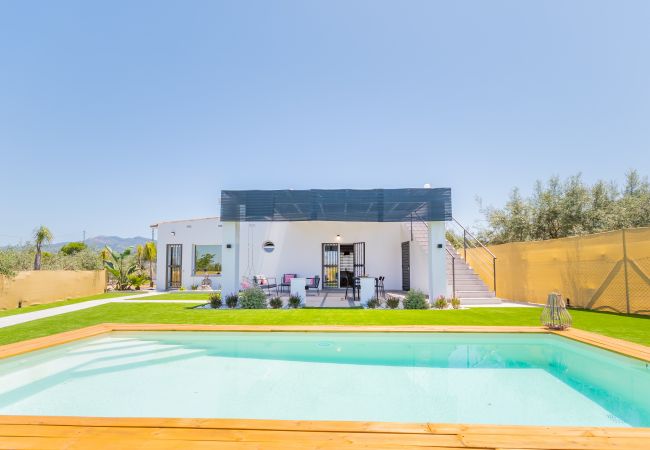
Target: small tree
point(42, 235)
point(72, 248)
point(121, 267)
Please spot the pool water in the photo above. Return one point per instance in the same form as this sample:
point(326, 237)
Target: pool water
point(519, 379)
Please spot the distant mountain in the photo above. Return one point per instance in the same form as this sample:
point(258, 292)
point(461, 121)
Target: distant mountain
point(115, 242)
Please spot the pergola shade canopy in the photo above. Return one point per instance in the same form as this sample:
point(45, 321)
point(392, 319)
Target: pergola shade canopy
point(342, 205)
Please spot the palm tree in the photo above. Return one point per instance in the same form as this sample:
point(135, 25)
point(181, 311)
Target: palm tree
point(120, 267)
point(139, 255)
point(42, 235)
point(150, 256)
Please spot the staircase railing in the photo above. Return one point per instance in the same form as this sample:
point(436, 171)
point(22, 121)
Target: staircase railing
point(482, 259)
point(453, 272)
point(419, 219)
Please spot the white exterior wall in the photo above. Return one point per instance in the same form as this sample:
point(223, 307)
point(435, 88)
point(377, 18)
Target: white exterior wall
point(298, 247)
point(188, 233)
point(419, 268)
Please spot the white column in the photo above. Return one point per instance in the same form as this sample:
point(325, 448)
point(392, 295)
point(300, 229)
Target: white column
point(437, 261)
point(298, 289)
point(230, 258)
point(367, 290)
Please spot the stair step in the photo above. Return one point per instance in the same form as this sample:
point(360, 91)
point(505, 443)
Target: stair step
point(467, 282)
point(480, 301)
point(474, 294)
point(468, 285)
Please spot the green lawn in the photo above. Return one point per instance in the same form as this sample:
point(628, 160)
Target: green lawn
point(636, 329)
point(26, 309)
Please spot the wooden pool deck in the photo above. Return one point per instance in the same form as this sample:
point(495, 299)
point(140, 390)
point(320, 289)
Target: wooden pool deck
point(74, 433)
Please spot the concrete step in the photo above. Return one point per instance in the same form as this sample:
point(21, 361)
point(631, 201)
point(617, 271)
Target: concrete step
point(462, 271)
point(474, 294)
point(480, 301)
point(474, 288)
point(469, 283)
point(465, 277)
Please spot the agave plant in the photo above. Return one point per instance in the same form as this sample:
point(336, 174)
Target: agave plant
point(121, 267)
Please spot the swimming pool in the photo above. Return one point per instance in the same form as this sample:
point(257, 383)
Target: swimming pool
point(474, 378)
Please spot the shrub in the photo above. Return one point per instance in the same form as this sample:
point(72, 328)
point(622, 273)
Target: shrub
point(276, 303)
point(374, 303)
point(182, 288)
point(440, 303)
point(252, 298)
point(137, 279)
point(232, 300)
point(294, 301)
point(215, 300)
point(194, 287)
point(392, 302)
point(415, 300)
point(455, 302)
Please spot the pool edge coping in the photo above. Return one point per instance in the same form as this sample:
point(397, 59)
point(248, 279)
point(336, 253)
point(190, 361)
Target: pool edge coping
point(620, 346)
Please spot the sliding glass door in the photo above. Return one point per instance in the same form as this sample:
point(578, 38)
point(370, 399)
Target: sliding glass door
point(343, 262)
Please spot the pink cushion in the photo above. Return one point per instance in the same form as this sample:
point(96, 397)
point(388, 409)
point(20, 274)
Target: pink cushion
point(263, 281)
point(288, 277)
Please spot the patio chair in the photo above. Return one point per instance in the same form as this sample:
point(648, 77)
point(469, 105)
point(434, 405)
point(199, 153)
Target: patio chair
point(379, 287)
point(353, 283)
point(267, 283)
point(246, 283)
point(286, 281)
point(313, 283)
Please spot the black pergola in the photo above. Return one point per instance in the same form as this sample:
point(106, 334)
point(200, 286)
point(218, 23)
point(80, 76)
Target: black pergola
point(343, 205)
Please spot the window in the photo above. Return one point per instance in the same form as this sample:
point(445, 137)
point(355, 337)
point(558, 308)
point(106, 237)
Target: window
point(207, 259)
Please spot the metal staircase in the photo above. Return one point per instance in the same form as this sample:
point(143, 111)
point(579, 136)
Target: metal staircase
point(465, 282)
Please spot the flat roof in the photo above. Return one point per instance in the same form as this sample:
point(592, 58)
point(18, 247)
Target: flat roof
point(154, 225)
point(343, 205)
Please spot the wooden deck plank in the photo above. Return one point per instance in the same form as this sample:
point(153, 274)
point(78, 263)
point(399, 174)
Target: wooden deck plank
point(621, 346)
point(340, 438)
point(252, 424)
point(441, 437)
point(322, 426)
point(30, 443)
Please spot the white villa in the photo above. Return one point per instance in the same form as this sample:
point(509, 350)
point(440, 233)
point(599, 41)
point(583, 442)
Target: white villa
point(331, 237)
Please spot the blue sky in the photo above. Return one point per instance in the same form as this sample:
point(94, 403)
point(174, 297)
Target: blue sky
point(118, 114)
